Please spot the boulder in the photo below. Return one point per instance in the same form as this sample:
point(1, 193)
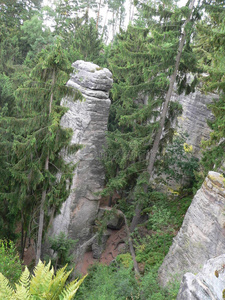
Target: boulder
point(202, 235)
point(99, 244)
point(113, 217)
point(209, 284)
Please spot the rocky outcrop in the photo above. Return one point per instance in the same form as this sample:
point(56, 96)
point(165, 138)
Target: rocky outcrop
point(88, 119)
point(193, 120)
point(209, 284)
point(202, 235)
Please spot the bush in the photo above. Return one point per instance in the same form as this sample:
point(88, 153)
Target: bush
point(109, 283)
point(10, 263)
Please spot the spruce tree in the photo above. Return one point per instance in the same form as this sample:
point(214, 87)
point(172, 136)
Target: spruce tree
point(142, 80)
point(210, 48)
point(39, 174)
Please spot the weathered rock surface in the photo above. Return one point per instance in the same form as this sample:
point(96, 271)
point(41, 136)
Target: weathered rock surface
point(114, 217)
point(88, 120)
point(209, 284)
point(202, 235)
point(193, 120)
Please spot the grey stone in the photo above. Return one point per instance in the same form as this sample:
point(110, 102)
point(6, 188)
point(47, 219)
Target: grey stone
point(202, 235)
point(193, 120)
point(99, 244)
point(209, 284)
point(88, 119)
point(114, 217)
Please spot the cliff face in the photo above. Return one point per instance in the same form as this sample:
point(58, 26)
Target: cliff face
point(194, 118)
point(88, 120)
point(202, 235)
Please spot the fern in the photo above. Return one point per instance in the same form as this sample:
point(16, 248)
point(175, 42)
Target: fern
point(25, 278)
point(41, 280)
point(22, 293)
point(6, 292)
point(71, 289)
point(43, 285)
point(58, 283)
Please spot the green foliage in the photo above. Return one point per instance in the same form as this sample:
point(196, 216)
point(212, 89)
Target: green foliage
point(117, 282)
point(110, 283)
point(34, 138)
point(142, 60)
point(10, 264)
point(158, 218)
point(37, 36)
point(150, 289)
point(43, 284)
point(61, 246)
point(178, 161)
point(125, 260)
point(210, 48)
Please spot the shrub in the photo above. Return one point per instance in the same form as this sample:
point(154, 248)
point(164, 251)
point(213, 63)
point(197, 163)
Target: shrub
point(10, 263)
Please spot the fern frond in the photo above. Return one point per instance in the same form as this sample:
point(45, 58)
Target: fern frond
point(41, 280)
point(25, 278)
point(71, 289)
point(22, 293)
point(58, 283)
point(6, 292)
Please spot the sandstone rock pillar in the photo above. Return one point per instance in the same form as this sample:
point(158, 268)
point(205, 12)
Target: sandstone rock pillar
point(88, 120)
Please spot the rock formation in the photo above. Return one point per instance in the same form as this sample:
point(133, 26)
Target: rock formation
point(193, 120)
point(202, 235)
point(88, 120)
point(209, 284)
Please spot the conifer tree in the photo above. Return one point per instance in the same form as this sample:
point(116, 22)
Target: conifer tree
point(140, 88)
point(210, 48)
point(39, 173)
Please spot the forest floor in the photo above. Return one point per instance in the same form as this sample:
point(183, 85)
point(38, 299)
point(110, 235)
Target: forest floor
point(114, 246)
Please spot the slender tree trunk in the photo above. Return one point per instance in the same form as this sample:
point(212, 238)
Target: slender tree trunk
point(155, 146)
point(21, 241)
point(132, 252)
point(44, 192)
point(98, 14)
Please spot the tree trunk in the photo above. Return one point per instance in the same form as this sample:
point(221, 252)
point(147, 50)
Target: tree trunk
point(41, 220)
point(155, 146)
point(98, 14)
point(44, 192)
point(132, 252)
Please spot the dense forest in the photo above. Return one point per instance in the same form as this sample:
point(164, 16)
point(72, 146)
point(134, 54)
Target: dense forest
point(150, 58)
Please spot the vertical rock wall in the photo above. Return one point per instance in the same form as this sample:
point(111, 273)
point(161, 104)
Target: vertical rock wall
point(202, 235)
point(193, 120)
point(88, 120)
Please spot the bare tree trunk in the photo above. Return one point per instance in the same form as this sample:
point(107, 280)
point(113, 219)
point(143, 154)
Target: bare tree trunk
point(98, 14)
point(44, 192)
point(131, 11)
point(132, 252)
point(40, 227)
point(155, 146)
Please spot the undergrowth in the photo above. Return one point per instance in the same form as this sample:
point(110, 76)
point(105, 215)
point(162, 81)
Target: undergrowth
point(152, 241)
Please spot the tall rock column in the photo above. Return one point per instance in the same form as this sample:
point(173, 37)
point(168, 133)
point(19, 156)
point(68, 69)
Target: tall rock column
point(88, 119)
